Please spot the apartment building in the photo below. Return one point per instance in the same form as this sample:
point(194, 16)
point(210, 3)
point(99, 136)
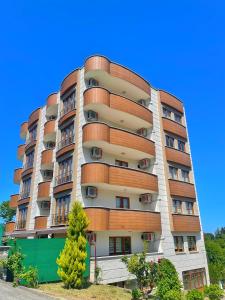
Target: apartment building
point(110, 140)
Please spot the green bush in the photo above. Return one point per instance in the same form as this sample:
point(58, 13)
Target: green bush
point(136, 294)
point(195, 295)
point(172, 295)
point(30, 277)
point(213, 292)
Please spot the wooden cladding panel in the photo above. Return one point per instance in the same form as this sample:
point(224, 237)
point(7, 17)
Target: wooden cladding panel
point(69, 81)
point(184, 223)
point(17, 175)
point(63, 187)
point(96, 96)
point(96, 132)
point(99, 219)
point(95, 173)
point(178, 157)
point(40, 222)
point(9, 227)
point(44, 189)
point(49, 127)
point(97, 63)
point(181, 189)
point(13, 200)
point(52, 100)
point(67, 116)
point(20, 151)
point(27, 172)
point(172, 101)
point(34, 117)
point(175, 128)
point(23, 129)
point(46, 157)
point(65, 150)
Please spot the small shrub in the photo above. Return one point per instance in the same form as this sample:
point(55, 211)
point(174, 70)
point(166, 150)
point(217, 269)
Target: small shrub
point(30, 277)
point(213, 292)
point(98, 271)
point(172, 295)
point(136, 294)
point(195, 295)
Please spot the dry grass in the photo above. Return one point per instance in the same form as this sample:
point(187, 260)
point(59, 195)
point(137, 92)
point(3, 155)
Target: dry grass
point(98, 292)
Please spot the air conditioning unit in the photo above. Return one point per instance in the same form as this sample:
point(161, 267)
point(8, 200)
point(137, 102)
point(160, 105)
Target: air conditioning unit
point(146, 198)
point(92, 116)
point(91, 237)
point(144, 163)
point(96, 153)
point(142, 131)
point(50, 145)
point(142, 102)
point(91, 192)
point(148, 236)
point(47, 174)
point(92, 82)
point(52, 117)
point(45, 205)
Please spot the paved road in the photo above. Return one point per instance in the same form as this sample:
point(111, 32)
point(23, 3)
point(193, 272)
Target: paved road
point(7, 292)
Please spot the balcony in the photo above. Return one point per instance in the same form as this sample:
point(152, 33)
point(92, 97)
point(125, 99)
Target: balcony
point(65, 146)
point(40, 222)
point(24, 198)
point(186, 223)
point(49, 131)
point(116, 141)
point(116, 108)
point(28, 169)
point(63, 182)
point(23, 130)
point(52, 106)
point(178, 157)
point(171, 101)
point(34, 117)
point(47, 159)
point(60, 220)
point(102, 219)
point(9, 227)
point(118, 178)
point(69, 81)
point(44, 191)
point(182, 189)
point(17, 175)
point(117, 78)
point(21, 224)
point(174, 127)
point(20, 152)
point(67, 113)
point(14, 201)
point(30, 143)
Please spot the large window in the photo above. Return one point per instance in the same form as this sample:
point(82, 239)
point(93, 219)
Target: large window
point(194, 279)
point(22, 217)
point(181, 145)
point(189, 207)
point(119, 245)
point(65, 171)
point(25, 193)
point(68, 101)
point(29, 160)
point(177, 117)
point(121, 163)
point(191, 243)
point(178, 244)
point(32, 133)
point(166, 112)
point(177, 206)
point(173, 172)
point(122, 202)
point(185, 175)
point(67, 136)
point(61, 210)
point(169, 141)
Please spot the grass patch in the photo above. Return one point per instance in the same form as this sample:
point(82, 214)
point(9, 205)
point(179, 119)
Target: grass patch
point(99, 292)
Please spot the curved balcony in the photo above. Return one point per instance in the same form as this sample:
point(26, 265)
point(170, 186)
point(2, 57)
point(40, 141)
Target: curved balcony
point(34, 117)
point(186, 223)
point(118, 178)
point(20, 152)
point(182, 189)
point(116, 108)
point(63, 183)
point(17, 175)
point(9, 227)
point(117, 78)
point(27, 171)
point(116, 141)
point(49, 131)
point(69, 81)
point(24, 200)
point(65, 115)
point(44, 190)
point(47, 159)
point(178, 157)
point(102, 219)
point(52, 105)
point(174, 127)
point(30, 144)
point(65, 146)
point(13, 201)
point(40, 222)
point(171, 101)
point(23, 130)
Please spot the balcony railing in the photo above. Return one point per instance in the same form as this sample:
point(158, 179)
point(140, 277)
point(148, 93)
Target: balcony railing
point(63, 178)
point(67, 109)
point(28, 165)
point(60, 219)
point(24, 195)
point(30, 140)
point(66, 142)
point(21, 224)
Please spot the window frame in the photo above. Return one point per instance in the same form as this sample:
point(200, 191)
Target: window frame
point(192, 239)
point(175, 206)
point(170, 141)
point(121, 163)
point(177, 243)
point(121, 199)
point(123, 239)
point(172, 174)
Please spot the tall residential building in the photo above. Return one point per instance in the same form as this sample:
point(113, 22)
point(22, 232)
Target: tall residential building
point(110, 140)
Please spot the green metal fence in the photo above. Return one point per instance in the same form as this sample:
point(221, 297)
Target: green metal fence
point(42, 253)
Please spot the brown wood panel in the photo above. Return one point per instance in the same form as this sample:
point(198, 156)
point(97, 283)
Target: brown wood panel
point(34, 117)
point(69, 81)
point(49, 127)
point(46, 157)
point(63, 187)
point(181, 189)
point(23, 129)
point(20, 151)
point(96, 95)
point(177, 156)
point(9, 227)
point(40, 222)
point(44, 189)
point(17, 175)
point(184, 223)
point(97, 63)
point(65, 150)
point(67, 116)
point(99, 219)
point(52, 100)
point(96, 132)
point(13, 200)
point(27, 172)
point(170, 100)
point(94, 173)
point(23, 201)
point(30, 145)
point(175, 128)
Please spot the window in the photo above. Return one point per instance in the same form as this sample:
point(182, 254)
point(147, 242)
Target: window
point(177, 117)
point(191, 243)
point(67, 136)
point(47, 174)
point(22, 217)
point(194, 279)
point(32, 133)
point(166, 112)
point(121, 163)
point(68, 101)
point(179, 244)
point(169, 141)
point(181, 145)
point(189, 207)
point(29, 160)
point(26, 188)
point(122, 202)
point(65, 171)
point(173, 172)
point(177, 206)
point(61, 210)
point(185, 175)
point(119, 245)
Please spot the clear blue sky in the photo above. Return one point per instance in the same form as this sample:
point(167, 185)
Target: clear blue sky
point(176, 45)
